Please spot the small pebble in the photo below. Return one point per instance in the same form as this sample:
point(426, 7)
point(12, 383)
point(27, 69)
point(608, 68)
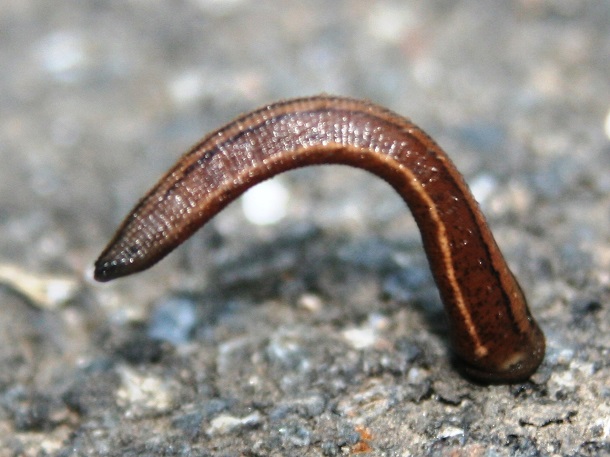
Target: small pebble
point(224, 424)
point(43, 291)
point(62, 54)
point(266, 203)
point(143, 395)
point(173, 320)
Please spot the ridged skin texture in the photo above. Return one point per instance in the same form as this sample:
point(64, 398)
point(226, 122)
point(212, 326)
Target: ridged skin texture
point(493, 333)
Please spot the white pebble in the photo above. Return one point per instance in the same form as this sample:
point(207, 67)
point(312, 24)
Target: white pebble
point(482, 187)
point(187, 87)
point(143, 395)
point(266, 203)
point(360, 338)
point(62, 54)
point(224, 424)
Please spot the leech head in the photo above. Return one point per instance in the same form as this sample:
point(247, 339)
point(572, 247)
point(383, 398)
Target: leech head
point(107, 270)
point(123, 258)
point(103, 271)
point(111, 266)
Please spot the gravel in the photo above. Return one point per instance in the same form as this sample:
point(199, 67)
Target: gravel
point(317, 331)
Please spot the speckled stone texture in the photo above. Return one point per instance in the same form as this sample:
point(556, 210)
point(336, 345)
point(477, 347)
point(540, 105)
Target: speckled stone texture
point(320, 334)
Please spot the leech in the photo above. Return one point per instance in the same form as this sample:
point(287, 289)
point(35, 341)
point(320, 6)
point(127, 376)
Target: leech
point(493, 334)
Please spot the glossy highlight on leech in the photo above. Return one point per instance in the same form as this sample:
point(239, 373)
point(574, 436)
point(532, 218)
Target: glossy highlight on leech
point(493, 334)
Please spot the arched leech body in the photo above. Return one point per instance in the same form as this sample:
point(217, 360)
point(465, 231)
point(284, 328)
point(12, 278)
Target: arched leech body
point(493, 333)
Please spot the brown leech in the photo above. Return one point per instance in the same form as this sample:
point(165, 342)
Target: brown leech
point(493, 333)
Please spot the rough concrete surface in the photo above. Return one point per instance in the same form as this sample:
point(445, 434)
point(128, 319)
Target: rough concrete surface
point(321, 334)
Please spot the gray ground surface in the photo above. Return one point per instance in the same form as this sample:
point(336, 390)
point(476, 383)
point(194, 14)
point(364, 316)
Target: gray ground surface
point(322, 334)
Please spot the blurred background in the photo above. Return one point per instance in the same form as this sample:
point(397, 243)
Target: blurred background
point(98, 99)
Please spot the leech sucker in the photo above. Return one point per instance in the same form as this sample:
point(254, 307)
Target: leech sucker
point(493, 334)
